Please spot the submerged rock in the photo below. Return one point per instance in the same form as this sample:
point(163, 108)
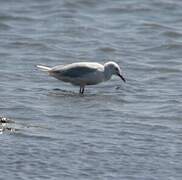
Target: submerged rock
point(5, 120)
point(4, 125)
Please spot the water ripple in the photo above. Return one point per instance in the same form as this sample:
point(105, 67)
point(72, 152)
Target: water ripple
point(115, 128)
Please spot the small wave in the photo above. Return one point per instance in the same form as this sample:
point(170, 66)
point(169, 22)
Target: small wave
point(4, 26)
point(164, 47)
point(107, 49)
point(126, 9)
point(16, 18)
point(24, 44)
point(62, 93)
point(172, 34)
point(34, 135)
point(155, 25)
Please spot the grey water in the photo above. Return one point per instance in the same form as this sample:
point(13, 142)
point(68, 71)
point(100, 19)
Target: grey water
point(116, 131)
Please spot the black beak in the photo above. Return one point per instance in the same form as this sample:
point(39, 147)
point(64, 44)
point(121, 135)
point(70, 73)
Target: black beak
point(122, 77)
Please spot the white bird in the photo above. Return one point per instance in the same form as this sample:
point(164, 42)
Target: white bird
point(84, 73)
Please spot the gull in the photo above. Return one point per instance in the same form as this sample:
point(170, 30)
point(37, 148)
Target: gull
point(84, 73)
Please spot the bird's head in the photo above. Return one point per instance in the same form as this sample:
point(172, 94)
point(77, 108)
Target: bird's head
point(113, 68)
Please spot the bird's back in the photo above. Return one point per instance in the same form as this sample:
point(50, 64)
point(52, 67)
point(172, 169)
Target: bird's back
point(89, 65)
point(77, 73)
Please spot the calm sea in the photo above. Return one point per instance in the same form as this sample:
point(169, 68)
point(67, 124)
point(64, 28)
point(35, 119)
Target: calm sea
point(116, 131)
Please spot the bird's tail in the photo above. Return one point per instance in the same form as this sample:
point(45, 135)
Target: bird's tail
point(43, 68)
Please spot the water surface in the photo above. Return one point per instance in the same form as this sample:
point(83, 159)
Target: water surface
point(115, 131)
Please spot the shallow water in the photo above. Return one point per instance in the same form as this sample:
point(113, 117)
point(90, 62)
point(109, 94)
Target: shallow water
point(116, 130)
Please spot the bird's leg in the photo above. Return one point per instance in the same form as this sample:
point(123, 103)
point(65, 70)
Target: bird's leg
point(81, 90)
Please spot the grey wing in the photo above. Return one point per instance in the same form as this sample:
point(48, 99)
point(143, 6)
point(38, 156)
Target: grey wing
point(75, 72)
